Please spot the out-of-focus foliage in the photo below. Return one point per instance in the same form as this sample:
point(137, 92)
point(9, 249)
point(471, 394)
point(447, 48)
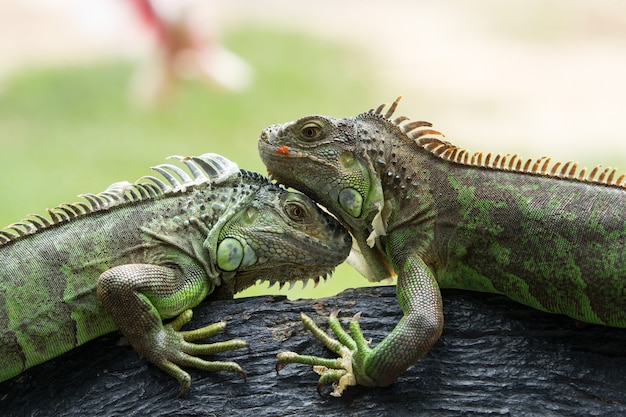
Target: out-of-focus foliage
point(66, 131)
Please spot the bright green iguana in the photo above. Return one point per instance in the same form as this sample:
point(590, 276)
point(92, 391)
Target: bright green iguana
point(545, 234)
point(137, 254)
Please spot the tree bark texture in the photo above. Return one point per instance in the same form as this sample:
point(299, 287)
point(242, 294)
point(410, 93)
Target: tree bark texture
point(495, 357)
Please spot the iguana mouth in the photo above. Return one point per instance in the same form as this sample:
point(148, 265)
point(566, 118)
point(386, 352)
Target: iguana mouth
point(281, 151)
point(293, 280)
point(289, 275)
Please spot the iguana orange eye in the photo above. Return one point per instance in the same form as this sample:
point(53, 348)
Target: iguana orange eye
point(311, 131)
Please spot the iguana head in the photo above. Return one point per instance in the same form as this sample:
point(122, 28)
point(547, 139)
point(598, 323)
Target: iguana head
point(279, 236)
point(326, 159)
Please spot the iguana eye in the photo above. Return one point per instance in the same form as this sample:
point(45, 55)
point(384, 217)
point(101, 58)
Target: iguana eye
point(311, 131)
point(296, 211)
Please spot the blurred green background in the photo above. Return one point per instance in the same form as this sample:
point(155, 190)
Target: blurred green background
point(532, 77)
point(72, 130)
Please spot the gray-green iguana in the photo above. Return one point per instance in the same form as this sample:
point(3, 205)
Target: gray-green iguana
point(545, 234)
point(137, 254)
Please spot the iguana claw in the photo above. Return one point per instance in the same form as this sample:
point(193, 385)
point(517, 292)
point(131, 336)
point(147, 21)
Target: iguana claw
point(177, 350)
point(337, 371)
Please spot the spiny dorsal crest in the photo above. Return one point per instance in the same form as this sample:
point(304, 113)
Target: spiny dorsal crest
point(434, 142)
point(207, 168)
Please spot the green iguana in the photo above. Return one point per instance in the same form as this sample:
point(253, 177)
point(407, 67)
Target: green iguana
point(545, 234)
point(137, 254)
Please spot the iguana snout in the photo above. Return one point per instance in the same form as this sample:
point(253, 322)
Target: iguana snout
point(327, 168)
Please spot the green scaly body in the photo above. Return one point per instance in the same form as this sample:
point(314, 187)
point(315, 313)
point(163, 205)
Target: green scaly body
point(545, 234)
point(137, 254)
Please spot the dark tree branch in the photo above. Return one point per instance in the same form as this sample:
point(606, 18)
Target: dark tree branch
point(495, 357)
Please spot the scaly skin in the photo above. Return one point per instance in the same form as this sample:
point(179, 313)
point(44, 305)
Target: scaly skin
point(546, 235)
point(137, 254)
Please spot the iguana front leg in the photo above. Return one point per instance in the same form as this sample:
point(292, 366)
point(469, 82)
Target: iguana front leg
point(139, 296)
point(413, 336)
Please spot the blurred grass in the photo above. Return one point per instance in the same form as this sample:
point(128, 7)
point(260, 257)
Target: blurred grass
point(66, 131)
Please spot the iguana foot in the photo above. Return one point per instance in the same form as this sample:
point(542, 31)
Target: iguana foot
point(175, 349)
point(352, 350)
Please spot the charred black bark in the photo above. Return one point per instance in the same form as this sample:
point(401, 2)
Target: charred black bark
point(495, 357)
